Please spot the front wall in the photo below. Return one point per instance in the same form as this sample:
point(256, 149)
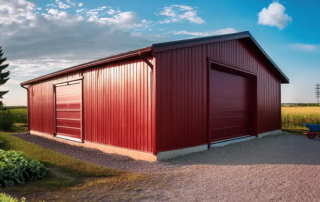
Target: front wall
point(116, 104)
point(41, 105)
point(182, 90)
point(229, 105)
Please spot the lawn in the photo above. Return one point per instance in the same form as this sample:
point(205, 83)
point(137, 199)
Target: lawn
point(294, 117)
point(71, 179)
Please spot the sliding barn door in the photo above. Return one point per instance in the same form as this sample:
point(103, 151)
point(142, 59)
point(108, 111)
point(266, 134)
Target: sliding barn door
point(68, 107)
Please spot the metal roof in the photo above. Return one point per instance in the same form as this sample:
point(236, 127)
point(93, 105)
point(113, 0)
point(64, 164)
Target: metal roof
point(159, 47)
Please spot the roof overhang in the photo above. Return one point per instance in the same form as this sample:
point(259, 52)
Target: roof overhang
point(226, 37)
point(91, 64)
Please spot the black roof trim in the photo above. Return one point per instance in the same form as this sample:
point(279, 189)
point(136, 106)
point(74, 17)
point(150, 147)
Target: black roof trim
point(189, 42)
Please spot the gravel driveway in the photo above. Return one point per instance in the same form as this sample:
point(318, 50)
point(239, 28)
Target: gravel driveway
point(274, 168)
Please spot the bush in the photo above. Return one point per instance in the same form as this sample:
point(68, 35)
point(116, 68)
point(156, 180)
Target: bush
point(6, 120)
point(17, 168)
point(7, 198)
point(19, 115)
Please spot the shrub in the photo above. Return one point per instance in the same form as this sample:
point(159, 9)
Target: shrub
point(6, 120)
point(19, 115)
point(7, 198)
point(17, 168)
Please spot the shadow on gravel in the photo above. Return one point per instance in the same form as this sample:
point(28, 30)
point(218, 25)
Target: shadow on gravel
point(289, 148)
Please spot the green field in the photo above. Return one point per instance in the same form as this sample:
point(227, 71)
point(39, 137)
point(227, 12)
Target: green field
point(19, 114)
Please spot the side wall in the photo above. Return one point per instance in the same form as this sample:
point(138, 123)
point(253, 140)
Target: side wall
point(116, 105)
point(182, 89)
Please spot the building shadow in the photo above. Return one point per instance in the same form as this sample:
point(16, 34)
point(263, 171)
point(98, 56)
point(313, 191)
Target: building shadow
point(288, 148)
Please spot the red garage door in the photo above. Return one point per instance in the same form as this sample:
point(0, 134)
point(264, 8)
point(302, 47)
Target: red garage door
point(68, 111)
point(229, 106)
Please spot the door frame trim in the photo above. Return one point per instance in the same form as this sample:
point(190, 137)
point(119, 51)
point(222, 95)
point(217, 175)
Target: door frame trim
point(66, 82)
point(232, 69)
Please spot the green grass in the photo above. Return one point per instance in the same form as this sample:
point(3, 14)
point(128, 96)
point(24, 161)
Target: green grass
point(52, 158)
point(7, 198)
point(70, 175)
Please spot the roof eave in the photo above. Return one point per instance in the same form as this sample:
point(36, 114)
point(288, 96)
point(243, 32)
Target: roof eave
point(159, 47)
point(284, 78)
point(90, 64)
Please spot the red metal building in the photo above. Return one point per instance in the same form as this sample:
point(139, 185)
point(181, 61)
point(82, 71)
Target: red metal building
point(161, 101)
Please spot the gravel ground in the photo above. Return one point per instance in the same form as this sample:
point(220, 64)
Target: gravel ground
point(99, 157)
point(274, 168)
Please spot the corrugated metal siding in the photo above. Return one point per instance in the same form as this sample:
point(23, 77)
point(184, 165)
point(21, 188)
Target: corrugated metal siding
point(181, 98)
point(116, 105)
point(182, 91)
point(42, 105)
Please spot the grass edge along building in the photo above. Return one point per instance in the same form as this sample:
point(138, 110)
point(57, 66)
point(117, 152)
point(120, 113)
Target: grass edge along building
point(161, 101)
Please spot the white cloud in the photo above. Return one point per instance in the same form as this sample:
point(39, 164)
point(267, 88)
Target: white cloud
point(180, 13)
point(127, 19)
point(62, 5)
point(94, 13)
point(274, 15)
point(71, 3)
point(79, 10)
point(16, 11)
point(51, 5)
point(70, 36)
point(80, 4)
point(184, 8)
point(40, 42)
point(304, 47)
point(53, 11)
point(207, 33)
point(111, 12)
point(123, 19)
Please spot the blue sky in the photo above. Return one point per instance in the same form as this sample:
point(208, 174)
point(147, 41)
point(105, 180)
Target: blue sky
point(43, 36)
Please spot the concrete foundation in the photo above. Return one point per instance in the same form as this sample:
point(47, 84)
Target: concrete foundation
point(179, 152)
point(138, 155)
point(275, 132)
point(224, 143)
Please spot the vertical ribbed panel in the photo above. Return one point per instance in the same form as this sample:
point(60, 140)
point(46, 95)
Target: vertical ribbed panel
point(116, 105)
point(181, 98)
point(182, 92)
point(42, 105)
